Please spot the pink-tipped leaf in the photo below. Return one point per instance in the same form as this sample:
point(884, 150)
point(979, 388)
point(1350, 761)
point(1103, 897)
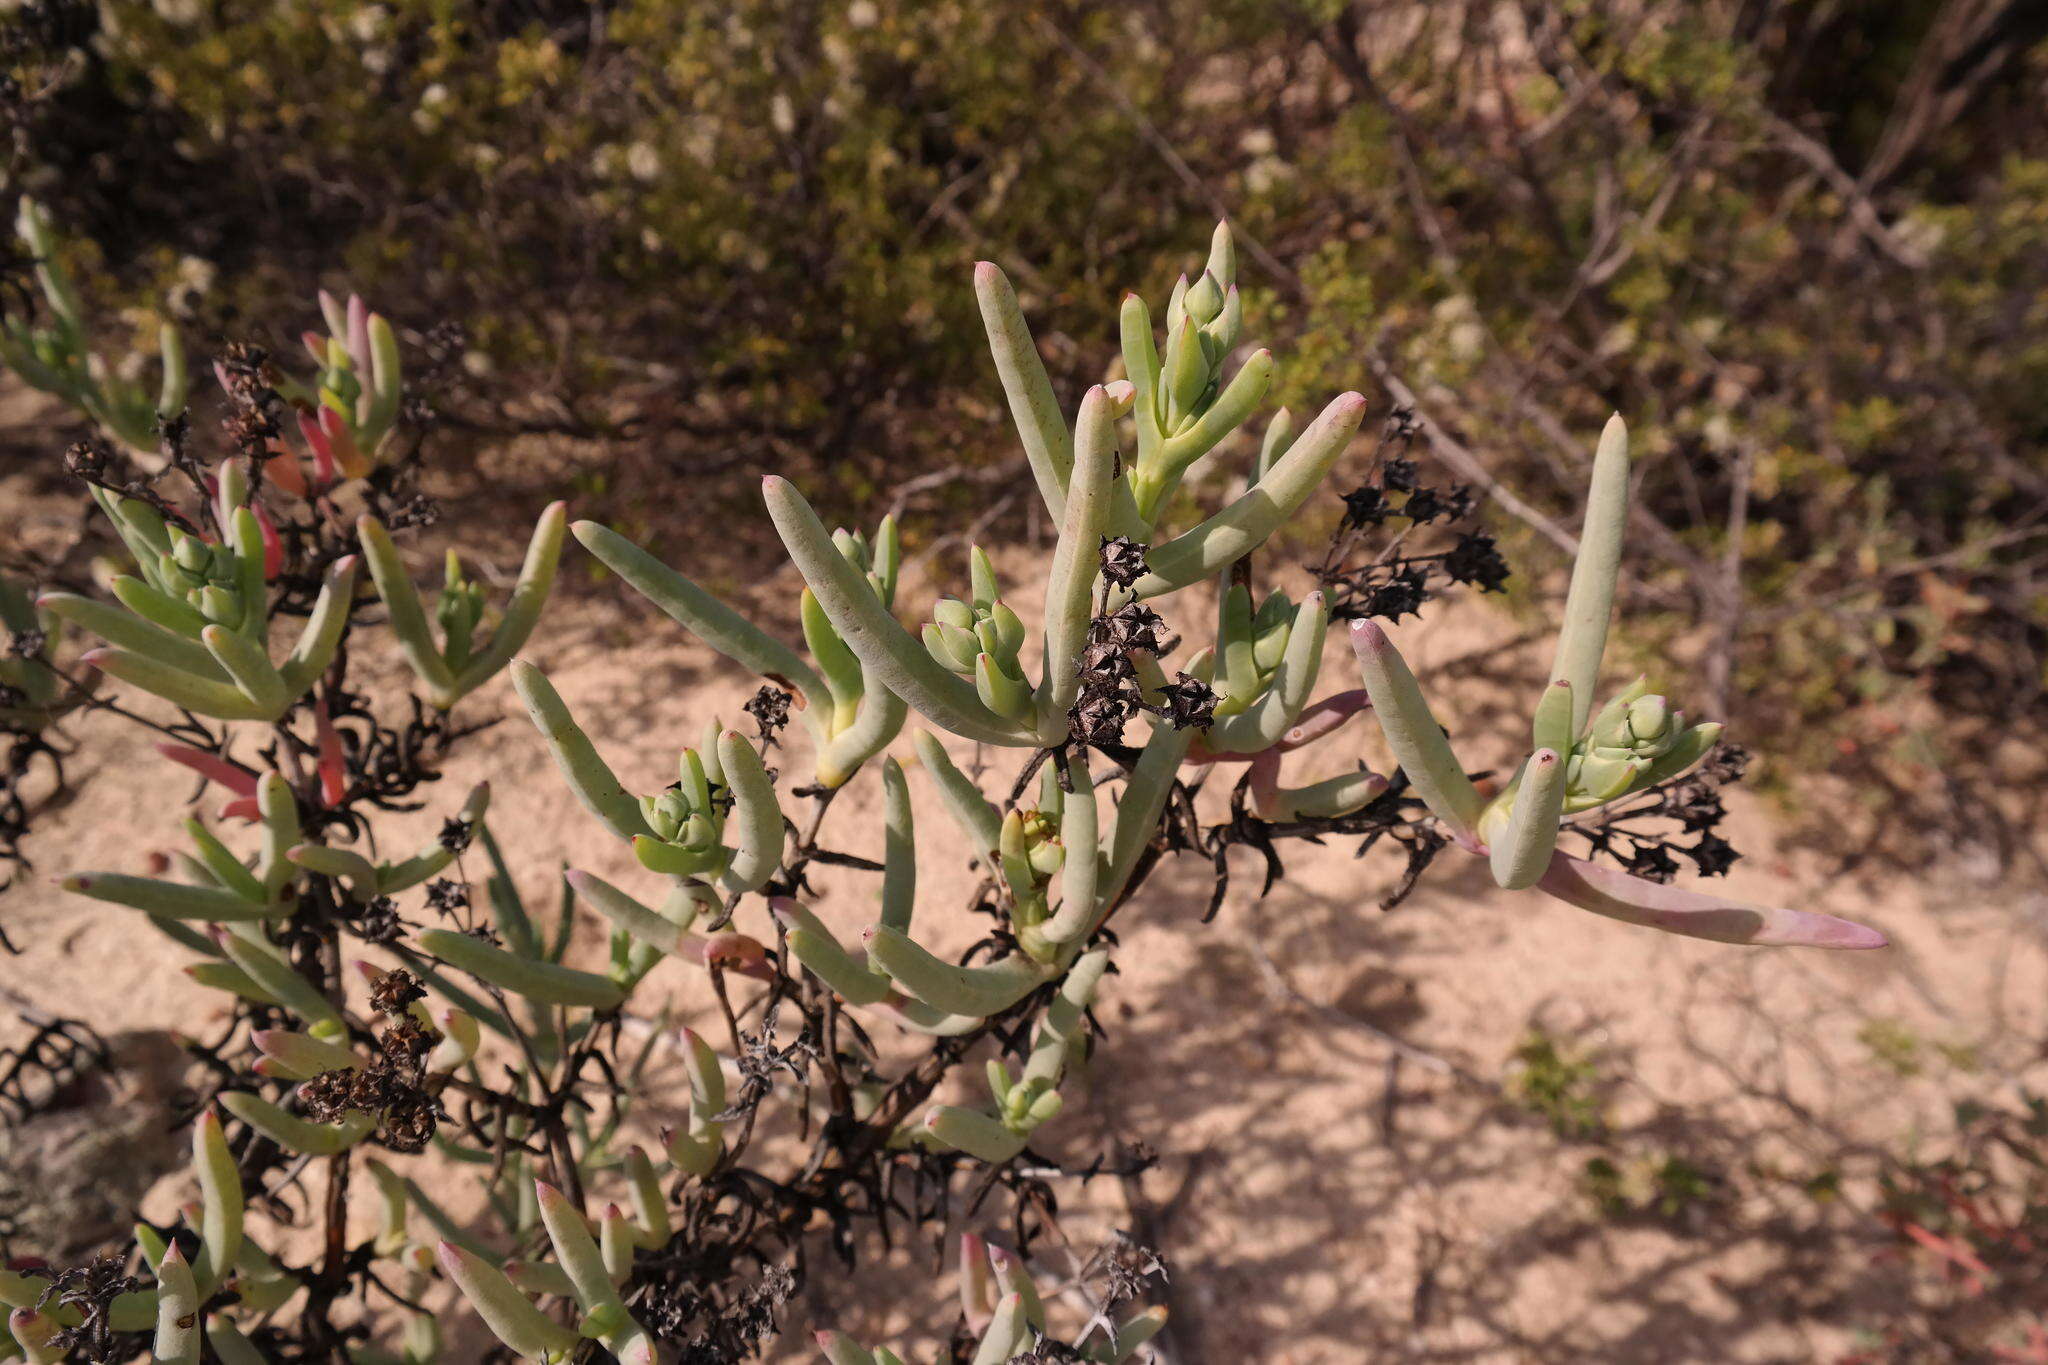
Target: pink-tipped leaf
point(1676, 910)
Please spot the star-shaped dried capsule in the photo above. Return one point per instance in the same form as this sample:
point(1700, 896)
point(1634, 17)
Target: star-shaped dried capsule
point(1476, 560)
point(446, 896)
point(378, 922)
point(1099, 719)
point(1401, 595)
point(392, 991)
point(1185, 701)
point(770, 709)
point(1123, 561)
point(1366, 506)
point(1132, 627)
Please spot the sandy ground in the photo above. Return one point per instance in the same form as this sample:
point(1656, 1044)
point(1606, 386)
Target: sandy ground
point(1319, 1198)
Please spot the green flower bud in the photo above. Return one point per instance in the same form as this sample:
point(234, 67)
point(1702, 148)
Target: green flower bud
point(1019, 1104)
point(1001, 686)
point(190, 553)
point(1228, 326)
point(1623, 747)
point(691, 814)
point(1188, 375)
point(1009, 629)
point(1599, 778)
point(697, 833)
point(1649, 720)
point(694, 779)
point(1042, 847)
point(1609, 724)
point(960, 632)
point(220, 606)
point(982, 578)
point(459, 611)
point(991, 640)
point(954, 648)
point(1271, 628)
point(1204, 300)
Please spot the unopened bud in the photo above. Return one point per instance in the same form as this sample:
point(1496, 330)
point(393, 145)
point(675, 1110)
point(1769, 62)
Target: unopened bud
point(1205, 299)
point(1647, 718)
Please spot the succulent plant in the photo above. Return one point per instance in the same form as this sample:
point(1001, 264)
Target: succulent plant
point(1024, 1102)
point(193, 624)
point(1093, 494)
point(460, 663)
point(193, 620)
point(58, 359)
point(718, 833)
point(343, 413)
point(170, 1306)
point(348, 409)
point(719, 824)
point(979, 641)
point(599, 1215)
point(1580, 760)
point(1005, 1313)
point(850, 712)
point(31, 693)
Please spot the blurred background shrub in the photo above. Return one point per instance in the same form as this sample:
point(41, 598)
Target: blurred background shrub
point(1803, 246)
